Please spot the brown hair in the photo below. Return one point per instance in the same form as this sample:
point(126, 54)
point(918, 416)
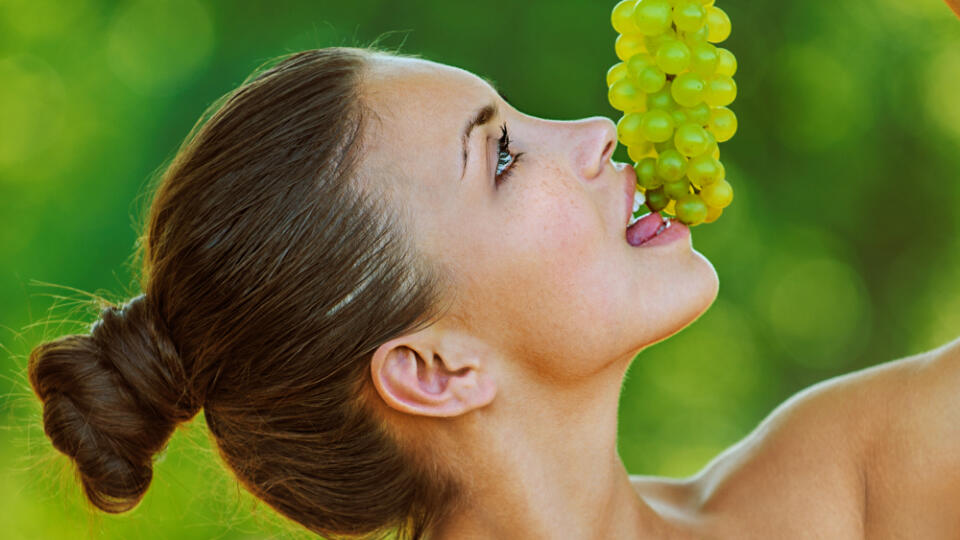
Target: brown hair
point(269, 279)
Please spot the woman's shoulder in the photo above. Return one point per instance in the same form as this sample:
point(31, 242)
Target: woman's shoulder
point(833, 460)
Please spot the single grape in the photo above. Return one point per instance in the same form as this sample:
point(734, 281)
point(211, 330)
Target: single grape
point(712, 214)
point(639, 151)
point(676, 189)
point(671, 166)
point(718, 194)
point(626, 96)
point(700, 34)
point(656, 126)
point(723, 123)
point(726, 63)
point(703, 170)
point(638, 63)
point(703, 58)
point(691, 140)
point(720, 91)
point(628, 45)
point(622, 17)
point(616, 72)
point(647, 173)
point(699, 114)
point(662, 147)
point(628, 129)
point(655, 41)
point(691, 210)
point(662, 100)
point(652, 17)
point(688, 89)
point(680, 116)
point(689, 16)
point(651, 79)
point(657, 200)
point(719, 24)
point(673, 57)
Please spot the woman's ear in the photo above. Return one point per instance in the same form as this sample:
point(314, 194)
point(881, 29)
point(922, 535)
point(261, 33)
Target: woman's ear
point(412, 375)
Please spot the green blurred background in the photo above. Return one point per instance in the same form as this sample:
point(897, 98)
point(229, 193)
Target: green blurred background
point(840, 251)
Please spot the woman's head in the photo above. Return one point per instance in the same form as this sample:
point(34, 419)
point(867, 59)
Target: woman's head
point(543, 275)
point(313, 244)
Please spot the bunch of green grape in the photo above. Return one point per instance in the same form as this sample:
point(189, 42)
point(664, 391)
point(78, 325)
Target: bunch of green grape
point(674, 86)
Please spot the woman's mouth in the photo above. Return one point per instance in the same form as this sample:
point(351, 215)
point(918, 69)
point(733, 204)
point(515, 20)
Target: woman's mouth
point(645, 227)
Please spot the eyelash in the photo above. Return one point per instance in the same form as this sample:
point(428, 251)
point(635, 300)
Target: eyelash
point(503, 145)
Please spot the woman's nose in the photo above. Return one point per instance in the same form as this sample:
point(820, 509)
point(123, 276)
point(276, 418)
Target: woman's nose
point(596, 142)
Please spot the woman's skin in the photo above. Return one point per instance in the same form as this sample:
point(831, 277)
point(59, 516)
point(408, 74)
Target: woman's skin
point(553, 304)
point(518, 386)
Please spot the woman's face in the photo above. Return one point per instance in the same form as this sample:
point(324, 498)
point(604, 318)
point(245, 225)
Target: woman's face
point(544, 272)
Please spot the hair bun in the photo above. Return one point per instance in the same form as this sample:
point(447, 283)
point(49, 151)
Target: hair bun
point(111, 400)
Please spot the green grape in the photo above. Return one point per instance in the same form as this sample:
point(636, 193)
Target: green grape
point(700, 34)
point(703, 58)
point(691, 210)
point(723, 124)
point(676, 189)
point(655, 41)
point(699, 114)
point(657, 200)
point(712, 214)
point(652, 17)
point(628, 45)
point(616, 72)
point(673, 57)
point(713, 149)
point(680, 116)
point(691, 140)
point(718, 194)
point(671, 166)
point(662, 147)
point(647, 173)
point(656, 126)
point(720, 91)
point(726, 63)
point(638, 63)
point(622, 17)
point(626, 96)
point(689, 16)
point(640, 150)
point(651, 79)
point(703, 170)
point(719, 24)
point(662, 100)
point(628, 129)
point(688, 89)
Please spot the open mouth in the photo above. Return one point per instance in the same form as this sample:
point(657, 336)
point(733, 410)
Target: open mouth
point(646, 227)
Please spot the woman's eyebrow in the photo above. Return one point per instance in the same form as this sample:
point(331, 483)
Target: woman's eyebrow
point(481, 117)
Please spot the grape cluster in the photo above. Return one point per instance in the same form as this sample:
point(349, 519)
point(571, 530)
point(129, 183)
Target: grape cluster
point(673, 86)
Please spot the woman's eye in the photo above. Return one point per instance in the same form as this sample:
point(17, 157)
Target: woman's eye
point(506, 161)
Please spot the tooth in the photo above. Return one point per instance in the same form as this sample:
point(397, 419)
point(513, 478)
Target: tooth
point(638, 200)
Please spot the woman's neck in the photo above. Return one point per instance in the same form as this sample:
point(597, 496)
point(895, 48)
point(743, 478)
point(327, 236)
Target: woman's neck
point(543, 463)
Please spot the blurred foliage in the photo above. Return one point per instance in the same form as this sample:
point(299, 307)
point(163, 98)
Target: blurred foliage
point(841, 250)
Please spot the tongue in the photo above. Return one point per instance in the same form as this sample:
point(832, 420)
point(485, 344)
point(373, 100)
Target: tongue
point(644, 228)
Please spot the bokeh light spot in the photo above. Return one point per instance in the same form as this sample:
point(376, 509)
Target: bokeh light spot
point(155, 46)
point(943, 90)
point(817, 309)
point(31, 108)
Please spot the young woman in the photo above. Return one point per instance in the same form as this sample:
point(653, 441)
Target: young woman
point(403, 304)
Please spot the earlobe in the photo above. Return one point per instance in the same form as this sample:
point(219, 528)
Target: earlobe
point(409, 383)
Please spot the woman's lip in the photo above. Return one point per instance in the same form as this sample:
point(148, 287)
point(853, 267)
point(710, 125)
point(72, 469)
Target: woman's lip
point(630, 188)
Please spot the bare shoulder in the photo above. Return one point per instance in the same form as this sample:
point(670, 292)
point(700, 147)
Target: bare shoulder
point(913, 464)
point(814, 466)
